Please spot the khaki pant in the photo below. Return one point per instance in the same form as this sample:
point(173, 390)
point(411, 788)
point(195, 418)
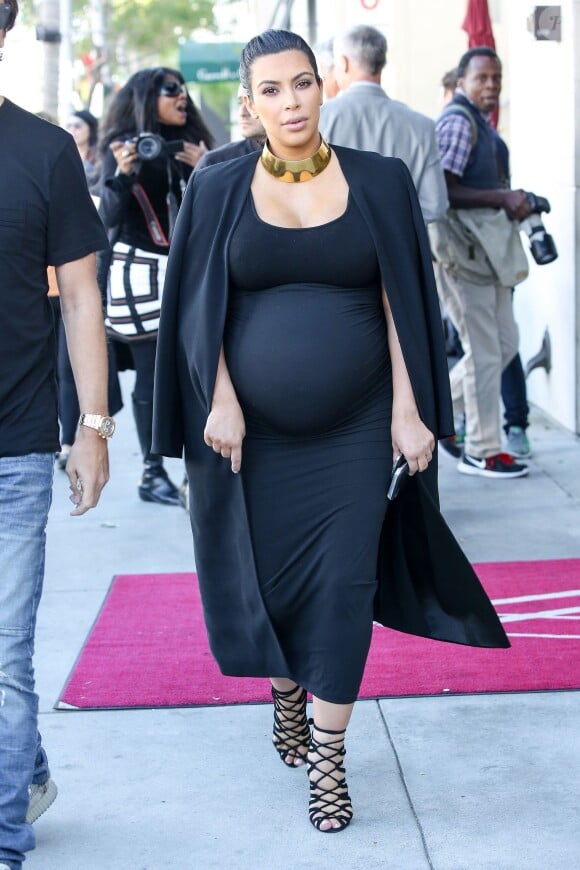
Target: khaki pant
point(484, 319)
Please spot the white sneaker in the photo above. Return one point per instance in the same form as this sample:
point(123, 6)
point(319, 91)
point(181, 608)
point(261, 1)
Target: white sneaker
point(4, 867)
point(502, 465)
point(40, 798)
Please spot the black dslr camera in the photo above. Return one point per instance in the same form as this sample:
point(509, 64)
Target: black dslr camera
point(150, 146)
point(542, 244)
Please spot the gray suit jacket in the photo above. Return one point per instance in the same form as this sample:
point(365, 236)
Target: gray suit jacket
point(364, 117)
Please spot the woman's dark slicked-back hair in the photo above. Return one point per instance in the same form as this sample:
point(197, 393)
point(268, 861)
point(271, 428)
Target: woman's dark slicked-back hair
point(478, 51)
point(273, 42)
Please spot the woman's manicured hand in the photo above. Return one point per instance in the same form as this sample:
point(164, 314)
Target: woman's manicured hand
point(411, 437)
point(125, 154)
point(225, 430)
point(191, 153)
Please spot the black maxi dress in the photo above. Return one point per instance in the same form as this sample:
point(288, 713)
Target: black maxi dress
point(426, 585)
point(306, 346)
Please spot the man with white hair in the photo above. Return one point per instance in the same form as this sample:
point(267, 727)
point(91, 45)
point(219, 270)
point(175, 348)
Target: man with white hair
point(364, 117)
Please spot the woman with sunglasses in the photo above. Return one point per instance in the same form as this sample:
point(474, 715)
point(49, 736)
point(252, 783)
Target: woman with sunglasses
point(141, 191)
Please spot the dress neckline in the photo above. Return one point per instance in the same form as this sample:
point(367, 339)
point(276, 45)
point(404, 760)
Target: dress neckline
point(298, 229)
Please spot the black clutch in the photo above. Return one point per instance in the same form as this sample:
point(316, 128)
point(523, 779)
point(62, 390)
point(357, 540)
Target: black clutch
point(398, 477)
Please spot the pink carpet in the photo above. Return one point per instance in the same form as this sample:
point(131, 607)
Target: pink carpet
point(148, 646)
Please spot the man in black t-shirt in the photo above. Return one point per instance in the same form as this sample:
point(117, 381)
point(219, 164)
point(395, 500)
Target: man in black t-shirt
point(46, 218)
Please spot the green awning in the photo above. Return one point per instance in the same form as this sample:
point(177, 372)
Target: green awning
point(207, 62)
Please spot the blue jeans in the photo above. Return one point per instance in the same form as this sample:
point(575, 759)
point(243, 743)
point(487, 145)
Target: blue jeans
point(25, 495)
point(514, 394)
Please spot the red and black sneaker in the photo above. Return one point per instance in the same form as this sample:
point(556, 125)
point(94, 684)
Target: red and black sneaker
point(502, 465)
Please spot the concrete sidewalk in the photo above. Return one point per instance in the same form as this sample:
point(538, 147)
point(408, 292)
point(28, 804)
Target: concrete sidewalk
point(479, 782)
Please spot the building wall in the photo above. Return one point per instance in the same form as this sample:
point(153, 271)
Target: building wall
point(545, 118)
point(424, 38)
point(21, 70)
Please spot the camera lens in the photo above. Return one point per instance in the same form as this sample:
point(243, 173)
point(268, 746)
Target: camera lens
point(542, 245)
point(543, 249)
point(149, 146)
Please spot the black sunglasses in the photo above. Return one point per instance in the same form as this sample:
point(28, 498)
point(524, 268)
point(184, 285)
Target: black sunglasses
point(5, 15)
point(171, 89)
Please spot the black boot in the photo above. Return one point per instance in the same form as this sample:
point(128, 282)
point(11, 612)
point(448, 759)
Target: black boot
point(155, 485)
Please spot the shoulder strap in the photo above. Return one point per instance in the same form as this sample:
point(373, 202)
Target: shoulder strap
point(151, 219)
point(457, 109)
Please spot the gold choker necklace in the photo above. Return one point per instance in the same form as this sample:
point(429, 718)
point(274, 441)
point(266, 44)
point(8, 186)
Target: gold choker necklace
point(295, 171)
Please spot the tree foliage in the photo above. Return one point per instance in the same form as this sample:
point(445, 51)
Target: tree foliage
point(138, 32)
point(111, 39)
point(149, 25)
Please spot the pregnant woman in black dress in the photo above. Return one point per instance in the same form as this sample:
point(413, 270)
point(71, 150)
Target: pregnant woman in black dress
point(305, 375)
point(279, 351)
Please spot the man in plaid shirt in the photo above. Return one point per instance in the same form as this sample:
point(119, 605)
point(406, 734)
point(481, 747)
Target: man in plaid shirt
point(475, 176)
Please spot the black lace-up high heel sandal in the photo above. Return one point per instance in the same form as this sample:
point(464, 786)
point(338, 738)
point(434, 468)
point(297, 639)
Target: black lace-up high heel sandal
point(291, 728)
point(329, 798)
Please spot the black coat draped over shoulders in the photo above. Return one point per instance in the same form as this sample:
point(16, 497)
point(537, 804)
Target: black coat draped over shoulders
point(426, 585)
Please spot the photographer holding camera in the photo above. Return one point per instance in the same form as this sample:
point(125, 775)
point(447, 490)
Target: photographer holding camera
point(151, 139)
point(479, 250)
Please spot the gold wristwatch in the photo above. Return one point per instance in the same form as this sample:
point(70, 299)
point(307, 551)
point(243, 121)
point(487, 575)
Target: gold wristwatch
point(105, 426)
